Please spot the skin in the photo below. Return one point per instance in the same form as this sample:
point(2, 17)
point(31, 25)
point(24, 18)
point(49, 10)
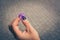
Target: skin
point(29, 34)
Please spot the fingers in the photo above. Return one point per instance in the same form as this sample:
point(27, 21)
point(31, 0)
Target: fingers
point(15, 27)
point(15, 21)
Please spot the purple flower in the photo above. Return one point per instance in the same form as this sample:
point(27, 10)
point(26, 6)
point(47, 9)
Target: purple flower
point(22, 16)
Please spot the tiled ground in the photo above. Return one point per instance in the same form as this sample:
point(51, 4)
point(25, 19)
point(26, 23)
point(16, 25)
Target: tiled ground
point(42, 14)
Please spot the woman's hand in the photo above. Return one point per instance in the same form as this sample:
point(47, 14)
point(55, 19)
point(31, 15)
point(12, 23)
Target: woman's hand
point(29, 34)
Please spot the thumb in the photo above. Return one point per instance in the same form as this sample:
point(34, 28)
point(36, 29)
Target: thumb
point(27, 24)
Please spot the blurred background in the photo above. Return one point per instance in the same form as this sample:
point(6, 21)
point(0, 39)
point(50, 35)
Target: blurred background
point(44, 15)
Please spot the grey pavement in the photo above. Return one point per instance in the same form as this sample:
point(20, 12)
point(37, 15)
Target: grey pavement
point(44, 16)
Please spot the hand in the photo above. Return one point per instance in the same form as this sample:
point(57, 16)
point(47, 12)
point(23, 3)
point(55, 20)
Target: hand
point(29, 34)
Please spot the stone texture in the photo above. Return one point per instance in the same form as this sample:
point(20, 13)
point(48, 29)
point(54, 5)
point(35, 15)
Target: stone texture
point(44, 15)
